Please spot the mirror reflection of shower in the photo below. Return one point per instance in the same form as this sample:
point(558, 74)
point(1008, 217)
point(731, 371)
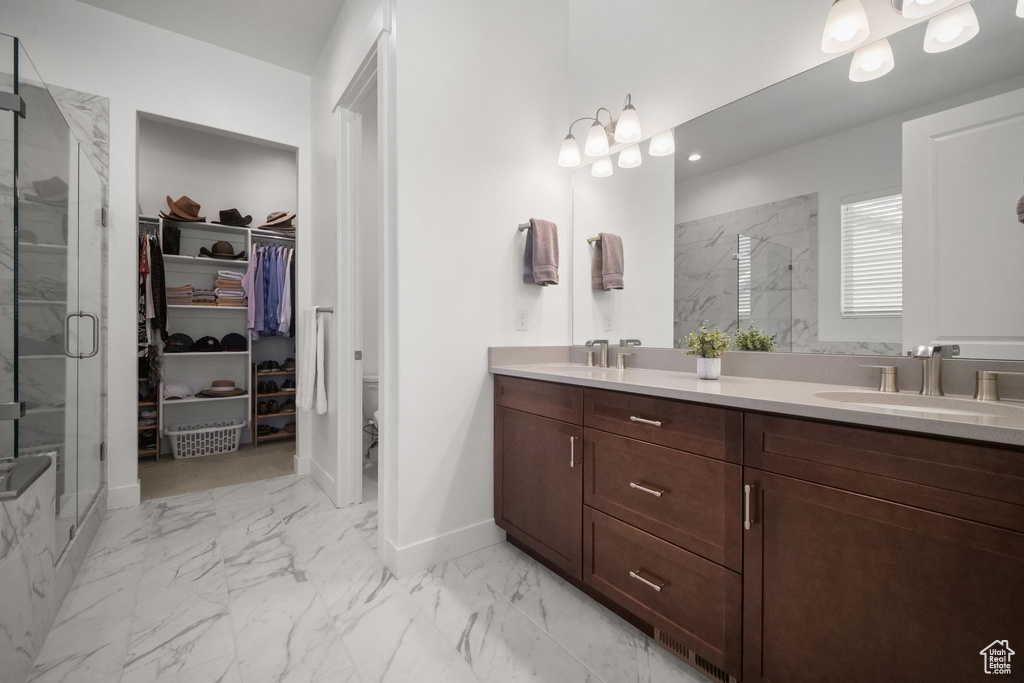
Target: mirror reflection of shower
point(764, 289)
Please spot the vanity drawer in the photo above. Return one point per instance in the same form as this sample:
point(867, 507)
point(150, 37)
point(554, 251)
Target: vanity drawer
point(972, 481)
point(694, 600)
point(705, 430)
point(547, 399)
point(689, 500)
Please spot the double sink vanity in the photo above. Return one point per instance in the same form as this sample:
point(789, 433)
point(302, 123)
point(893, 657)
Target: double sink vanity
point(768, 530)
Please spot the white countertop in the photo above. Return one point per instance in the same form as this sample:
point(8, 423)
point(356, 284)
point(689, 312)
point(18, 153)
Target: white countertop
point(951, 416)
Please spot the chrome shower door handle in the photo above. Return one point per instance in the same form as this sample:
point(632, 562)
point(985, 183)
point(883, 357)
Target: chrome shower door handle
point(95, 334)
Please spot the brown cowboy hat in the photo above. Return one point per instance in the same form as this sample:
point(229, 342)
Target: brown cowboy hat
point(221, 388)
point(222, 250)
point(233, 217)
point(183, 210)
point(279, 219)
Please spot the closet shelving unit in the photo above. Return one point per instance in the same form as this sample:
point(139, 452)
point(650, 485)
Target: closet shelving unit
point(199, 369)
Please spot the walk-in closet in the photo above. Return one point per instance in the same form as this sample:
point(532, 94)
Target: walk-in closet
point(217, 286)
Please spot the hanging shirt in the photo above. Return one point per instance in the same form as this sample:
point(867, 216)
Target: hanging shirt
point(286, 296)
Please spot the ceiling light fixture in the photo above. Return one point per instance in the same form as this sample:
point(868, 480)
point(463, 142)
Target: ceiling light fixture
point(662, 144)
point(630, 157)
point(872, 61)
point(694, 157)
point(602, 168)
point(845, 28)
point(951, 29)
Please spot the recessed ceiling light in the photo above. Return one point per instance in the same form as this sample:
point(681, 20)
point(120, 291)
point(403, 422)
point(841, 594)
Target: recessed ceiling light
point(694, 157)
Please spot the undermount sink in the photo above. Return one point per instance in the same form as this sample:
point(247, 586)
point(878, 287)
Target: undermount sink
point(915, 404)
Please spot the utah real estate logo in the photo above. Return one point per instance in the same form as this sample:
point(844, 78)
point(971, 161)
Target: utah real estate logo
point(997, 657)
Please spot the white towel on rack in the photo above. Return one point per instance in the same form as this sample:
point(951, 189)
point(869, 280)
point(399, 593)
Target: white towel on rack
point(312, 390)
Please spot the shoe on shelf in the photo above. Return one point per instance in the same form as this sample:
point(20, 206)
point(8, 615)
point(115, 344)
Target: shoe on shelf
point(289, 365)
point(288, 406)
point(261, 388)
point(261, 408)
point(273, 408)
point(269, 388)
point(289, 385)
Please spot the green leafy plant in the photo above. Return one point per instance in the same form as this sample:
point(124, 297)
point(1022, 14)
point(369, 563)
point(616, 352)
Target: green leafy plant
point(707, 343)
point(754, 339)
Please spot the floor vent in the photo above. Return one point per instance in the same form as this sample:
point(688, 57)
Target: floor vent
point(693, 659)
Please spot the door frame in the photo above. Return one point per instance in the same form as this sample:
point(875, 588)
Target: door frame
point(375, 71)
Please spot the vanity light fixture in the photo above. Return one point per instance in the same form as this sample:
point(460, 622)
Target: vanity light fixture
point(951, 29)
point(872, 61)
point(597, 140)
point(694, 157)
point(662, 144)
point(627, 128)
point(845, 28)
point(602, 168)
point(1020, 8)
point(915, 9)
point(630, 157)
point(569, 155)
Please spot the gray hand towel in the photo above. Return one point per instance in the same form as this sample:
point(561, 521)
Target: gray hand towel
point(540, 260)
point(597, 267)
point(612, 261)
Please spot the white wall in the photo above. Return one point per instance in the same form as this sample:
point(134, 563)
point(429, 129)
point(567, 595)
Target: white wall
point(217, 171)
point(637, 205)
point(145, 69)
point(481, 106)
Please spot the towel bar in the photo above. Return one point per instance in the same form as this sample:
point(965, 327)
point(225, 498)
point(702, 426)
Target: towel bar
point(524, 226)
point(591, 240)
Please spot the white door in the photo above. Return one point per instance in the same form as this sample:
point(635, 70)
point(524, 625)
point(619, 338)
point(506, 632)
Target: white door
point(962, 243)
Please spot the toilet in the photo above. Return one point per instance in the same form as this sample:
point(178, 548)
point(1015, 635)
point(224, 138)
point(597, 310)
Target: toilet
point(371, 399)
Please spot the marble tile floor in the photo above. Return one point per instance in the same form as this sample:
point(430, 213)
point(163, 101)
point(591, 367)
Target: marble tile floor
point(268, 581)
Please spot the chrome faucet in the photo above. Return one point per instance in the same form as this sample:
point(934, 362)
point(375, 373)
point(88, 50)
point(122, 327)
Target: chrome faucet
point(603, 362)
point(626, 343)
point(931, 366)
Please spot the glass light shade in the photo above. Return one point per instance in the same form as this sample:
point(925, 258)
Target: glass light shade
point(951, 29)
point(845, 28)
point(569, 155)
point(662, 144)
point(627, 128)
point(915, 9)
point(630, 157)
point(1020, 8)
point(602, 168)
point(597, 141)
point(872, 61)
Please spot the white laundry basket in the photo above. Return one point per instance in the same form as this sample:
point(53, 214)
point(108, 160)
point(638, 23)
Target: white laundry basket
point(207, 438)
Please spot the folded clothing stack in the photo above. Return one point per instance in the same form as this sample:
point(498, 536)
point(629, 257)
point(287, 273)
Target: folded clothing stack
point(229, 289)
point(180, 296)
point(204, 297)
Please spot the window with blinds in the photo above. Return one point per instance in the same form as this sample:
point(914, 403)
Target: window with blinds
point(743, 284)
point(872, 257)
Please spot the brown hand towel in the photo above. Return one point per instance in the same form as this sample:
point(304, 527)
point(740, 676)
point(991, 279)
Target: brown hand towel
point(540, 260)
point(597, 267)
point(609, 259)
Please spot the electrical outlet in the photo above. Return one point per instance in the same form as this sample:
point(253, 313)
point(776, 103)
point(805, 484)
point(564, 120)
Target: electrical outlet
point(608, 327)
point(521, 321)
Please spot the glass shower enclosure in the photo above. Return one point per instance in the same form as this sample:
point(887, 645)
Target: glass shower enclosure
point(52, 280)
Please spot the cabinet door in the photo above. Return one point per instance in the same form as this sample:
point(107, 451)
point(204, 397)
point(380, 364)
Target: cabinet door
point(538, 485)
point(843, 587)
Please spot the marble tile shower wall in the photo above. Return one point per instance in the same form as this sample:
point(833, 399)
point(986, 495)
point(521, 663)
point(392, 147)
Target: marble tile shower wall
point(705, 272)
point(28, 594)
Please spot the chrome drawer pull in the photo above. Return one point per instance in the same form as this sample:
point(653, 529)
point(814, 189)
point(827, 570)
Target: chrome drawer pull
point(746, 506)
point(640, 487)
point(654, 423)
point(655, 586)
point(572, 451)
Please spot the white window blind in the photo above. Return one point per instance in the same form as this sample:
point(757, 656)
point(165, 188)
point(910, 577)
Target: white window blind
point(872, 257)
point(743, 256)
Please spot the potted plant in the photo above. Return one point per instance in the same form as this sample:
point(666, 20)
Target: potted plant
point(708, 346)
point(754, 339)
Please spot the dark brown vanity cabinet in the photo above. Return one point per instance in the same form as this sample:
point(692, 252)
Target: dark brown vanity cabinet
point(869, 555)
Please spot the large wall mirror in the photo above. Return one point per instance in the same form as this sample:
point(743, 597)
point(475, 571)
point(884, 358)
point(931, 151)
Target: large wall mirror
point(836, 216)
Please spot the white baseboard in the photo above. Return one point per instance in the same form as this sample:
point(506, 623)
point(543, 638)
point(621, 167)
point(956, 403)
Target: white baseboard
point(424, 554)
point(302, 465)
point(124, 496)
point(324, 479)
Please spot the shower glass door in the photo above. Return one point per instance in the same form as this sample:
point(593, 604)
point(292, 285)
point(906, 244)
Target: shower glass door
point(8, 255)
point(764, 285)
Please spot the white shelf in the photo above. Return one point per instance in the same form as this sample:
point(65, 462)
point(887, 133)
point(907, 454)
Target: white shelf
point(228, 229)
point(201, 399)
point(33, 248)
point(209, 308)
point(171, 259)
point(204, 354)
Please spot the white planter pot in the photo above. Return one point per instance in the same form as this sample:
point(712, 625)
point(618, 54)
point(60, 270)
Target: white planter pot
point(709, 368)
